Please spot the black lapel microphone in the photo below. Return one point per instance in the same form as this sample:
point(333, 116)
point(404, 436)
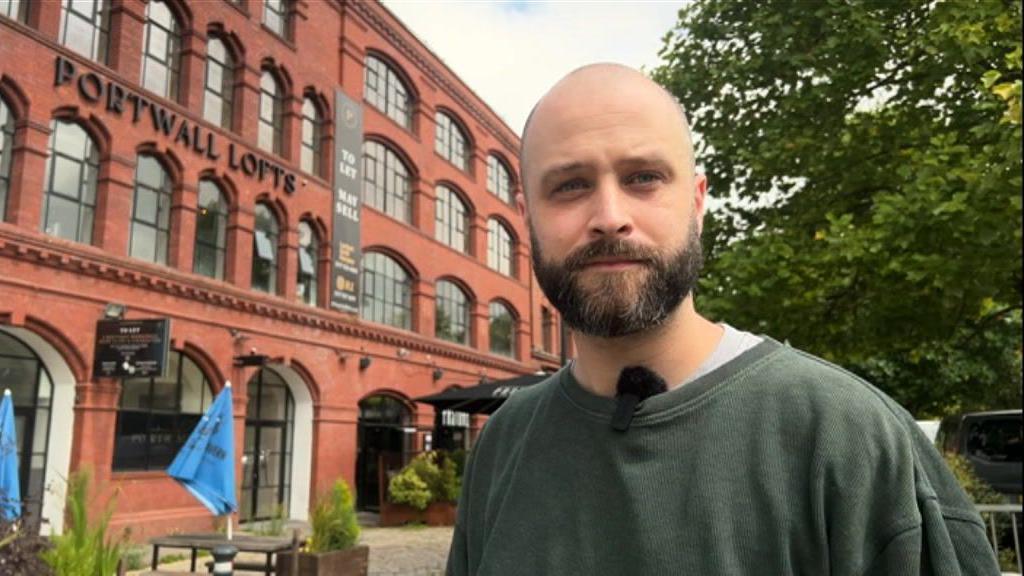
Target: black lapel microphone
point(636, 383)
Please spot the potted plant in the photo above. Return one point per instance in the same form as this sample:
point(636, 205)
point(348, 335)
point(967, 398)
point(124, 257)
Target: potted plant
point(331, 548)
point(425, 490)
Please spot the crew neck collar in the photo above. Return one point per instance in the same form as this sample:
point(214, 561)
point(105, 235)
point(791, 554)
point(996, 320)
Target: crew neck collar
point(654, 407)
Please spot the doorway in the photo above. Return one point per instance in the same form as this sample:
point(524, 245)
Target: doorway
point(267, 456)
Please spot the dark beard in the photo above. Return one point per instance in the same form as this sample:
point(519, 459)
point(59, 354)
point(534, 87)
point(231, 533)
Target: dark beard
point(609, 307)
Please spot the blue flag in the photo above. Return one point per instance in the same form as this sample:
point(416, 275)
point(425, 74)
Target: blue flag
point(206, 463)
point(10, 492)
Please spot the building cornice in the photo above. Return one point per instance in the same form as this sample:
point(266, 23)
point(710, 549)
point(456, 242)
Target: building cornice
point(89, 261)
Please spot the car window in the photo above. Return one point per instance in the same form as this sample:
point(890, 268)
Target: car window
point(995, 440)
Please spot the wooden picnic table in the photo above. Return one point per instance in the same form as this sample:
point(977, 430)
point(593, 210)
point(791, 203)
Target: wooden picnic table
point(267, 545)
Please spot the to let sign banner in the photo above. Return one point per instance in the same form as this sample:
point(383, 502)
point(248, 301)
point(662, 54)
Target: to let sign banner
point(348, 152)
point(131, 348)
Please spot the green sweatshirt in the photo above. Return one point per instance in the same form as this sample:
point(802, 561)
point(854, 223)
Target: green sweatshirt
point(775, 463)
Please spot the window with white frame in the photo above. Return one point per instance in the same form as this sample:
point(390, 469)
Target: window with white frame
point(387, 291)
point(450, 219)
point(386, 181)
point(384, 90)
point(70, 181)
point(218, 94)
point(84, 27)
point(151, 211)
point(500, 248)
point(161, 45)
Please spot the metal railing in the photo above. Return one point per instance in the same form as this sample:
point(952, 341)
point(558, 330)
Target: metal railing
point(992, 514)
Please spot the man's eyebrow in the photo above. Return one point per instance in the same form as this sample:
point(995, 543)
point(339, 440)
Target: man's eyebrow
point(654, 159)
point(559, 169)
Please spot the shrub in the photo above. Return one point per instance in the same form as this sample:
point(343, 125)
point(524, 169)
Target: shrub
point(334, 521)
point(84, 549)
point(429, 477)
point(408, 488)
point(981, 493)
point(20, 550)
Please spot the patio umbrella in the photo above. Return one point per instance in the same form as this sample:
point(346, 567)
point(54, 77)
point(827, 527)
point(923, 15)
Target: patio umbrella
point(10, 492)
point(206, 463)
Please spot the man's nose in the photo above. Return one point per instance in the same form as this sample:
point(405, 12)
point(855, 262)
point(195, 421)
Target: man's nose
point(609, 212)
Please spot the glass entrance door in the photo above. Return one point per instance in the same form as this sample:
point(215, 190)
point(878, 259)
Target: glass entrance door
point(267, 458)
point(381, 436)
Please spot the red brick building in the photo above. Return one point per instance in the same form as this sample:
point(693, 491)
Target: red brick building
point(163, 159)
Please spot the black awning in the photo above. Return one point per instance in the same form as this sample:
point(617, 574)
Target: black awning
point(483, 398)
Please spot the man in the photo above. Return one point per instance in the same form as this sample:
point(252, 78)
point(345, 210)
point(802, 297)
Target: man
point(744, 456)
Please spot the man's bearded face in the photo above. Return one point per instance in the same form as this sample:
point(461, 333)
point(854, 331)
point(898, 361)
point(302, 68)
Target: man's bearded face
point(612, 303)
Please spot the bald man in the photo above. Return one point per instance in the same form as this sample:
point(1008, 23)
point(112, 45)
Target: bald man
point(672, 444)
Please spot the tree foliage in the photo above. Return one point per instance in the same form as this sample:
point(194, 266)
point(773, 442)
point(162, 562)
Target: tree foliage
point(868, 154)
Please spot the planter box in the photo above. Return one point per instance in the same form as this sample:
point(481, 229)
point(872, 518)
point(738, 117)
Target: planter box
point(436, 514)
point(353, 561)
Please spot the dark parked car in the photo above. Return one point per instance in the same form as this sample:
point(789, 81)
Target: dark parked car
point(991, 442)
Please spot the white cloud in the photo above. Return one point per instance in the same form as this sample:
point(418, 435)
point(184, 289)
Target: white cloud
point(510, 53)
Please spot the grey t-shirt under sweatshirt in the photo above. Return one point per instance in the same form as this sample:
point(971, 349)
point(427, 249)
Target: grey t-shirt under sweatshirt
point(774, 463)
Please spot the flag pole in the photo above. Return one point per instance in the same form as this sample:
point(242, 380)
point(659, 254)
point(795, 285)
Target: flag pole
point(227, 384)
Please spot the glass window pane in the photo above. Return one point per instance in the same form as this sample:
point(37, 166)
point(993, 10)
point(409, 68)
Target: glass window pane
point(67, 177)
point(80, 35)
point(193, 387)
point(70, 139)
point(145, 205)
point(62, 218)
point(143, 242)
point(135, 394)
point(156, 77)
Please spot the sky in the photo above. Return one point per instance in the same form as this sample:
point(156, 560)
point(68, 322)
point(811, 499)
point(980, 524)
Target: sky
point(510, 53)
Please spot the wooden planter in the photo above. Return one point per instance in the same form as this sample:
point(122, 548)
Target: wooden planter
point(436, 514)
point(349, 562)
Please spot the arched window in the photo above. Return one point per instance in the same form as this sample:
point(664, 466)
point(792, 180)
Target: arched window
point(151, 211)
point(157, 414)
point(70, 183)
point(500, 248)
point(264, 250)
point(449, 141)
point(211, 231)
point(385, 181)
point(270, 123)
point(84, 27)
point(451, 319)
point(450, 221)
point(387, 291)
point(309, 256)
point(502, 330)
point(385, 90)
point(276, 17)
point(499, 179)
point(218, 96)
point(161, 58)
point(32, 394)
point(312, 134)
point(14, 9)
point(6, 142)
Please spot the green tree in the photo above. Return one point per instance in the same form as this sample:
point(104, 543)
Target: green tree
point(868, 158)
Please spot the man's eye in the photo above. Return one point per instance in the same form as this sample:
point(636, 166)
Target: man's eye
point(570, 186)
point(644, 178)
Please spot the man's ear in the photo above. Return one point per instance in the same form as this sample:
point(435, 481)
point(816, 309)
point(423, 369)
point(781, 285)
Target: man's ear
point(700, 195)
point(521, 205)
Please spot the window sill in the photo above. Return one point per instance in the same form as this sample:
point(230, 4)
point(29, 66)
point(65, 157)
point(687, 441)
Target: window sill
point(407, 129)
point(240, 7)
point(139, 475)
point(289, 43)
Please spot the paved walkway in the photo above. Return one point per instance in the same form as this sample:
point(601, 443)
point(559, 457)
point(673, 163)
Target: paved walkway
point(405, 551)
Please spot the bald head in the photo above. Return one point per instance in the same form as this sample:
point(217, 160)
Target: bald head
point(599, 89)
